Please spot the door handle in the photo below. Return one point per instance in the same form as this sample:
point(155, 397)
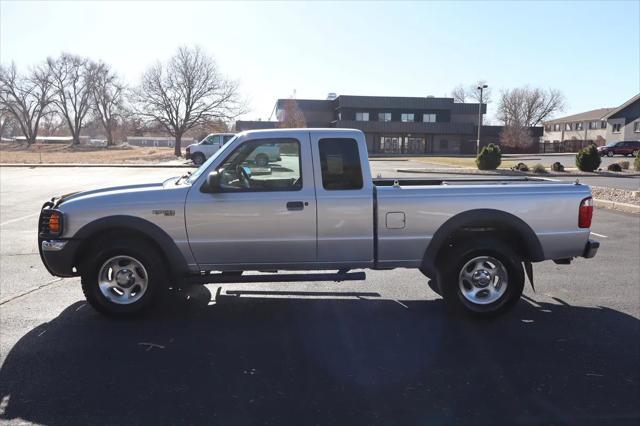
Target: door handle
point(295, 205)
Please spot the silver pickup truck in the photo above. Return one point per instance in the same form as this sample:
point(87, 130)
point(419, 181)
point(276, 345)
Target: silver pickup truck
point(315, 209)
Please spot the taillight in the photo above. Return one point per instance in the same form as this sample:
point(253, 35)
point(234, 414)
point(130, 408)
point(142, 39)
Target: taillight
point(585, 213)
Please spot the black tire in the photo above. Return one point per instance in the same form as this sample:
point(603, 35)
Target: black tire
point(198, 159)
point(262, 160)
point(141, 251)
point(610, 154)
point(451, 282)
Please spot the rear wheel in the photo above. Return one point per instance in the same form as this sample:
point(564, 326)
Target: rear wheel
point(198, 159)
point(481, 277)
point(123, 277)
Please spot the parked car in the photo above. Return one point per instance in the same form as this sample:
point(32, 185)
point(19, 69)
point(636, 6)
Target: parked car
point(199, 152)
point(619, 148)
point(474, 238)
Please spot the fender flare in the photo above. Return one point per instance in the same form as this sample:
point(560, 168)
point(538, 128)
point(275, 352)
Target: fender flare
point(477, 217)
point(156, 234)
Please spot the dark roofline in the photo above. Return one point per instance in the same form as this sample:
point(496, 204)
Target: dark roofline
point(623, 106)
point(393, 102)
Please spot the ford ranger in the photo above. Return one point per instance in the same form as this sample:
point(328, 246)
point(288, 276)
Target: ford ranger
point(314, 209)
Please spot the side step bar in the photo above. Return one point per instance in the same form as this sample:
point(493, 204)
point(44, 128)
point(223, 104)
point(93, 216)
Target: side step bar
point(219, 278)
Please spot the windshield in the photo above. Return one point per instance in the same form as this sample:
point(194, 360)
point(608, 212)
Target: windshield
point(610, 144)
point(195, 175)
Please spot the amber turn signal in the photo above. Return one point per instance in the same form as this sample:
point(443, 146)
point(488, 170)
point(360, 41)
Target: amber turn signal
point(54, 223)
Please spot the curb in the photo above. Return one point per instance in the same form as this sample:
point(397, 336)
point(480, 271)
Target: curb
point(143, 166)
point(465, 171)
point(612, 205)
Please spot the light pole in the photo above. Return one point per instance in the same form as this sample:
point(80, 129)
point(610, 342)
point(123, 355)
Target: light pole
point(480, 88)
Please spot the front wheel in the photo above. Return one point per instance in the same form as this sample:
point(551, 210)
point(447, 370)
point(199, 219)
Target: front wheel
point(610, 154)
point(198, 159)
point(482, 278)
point(123, 277)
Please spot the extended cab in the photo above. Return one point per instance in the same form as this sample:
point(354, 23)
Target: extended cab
point(314, 208)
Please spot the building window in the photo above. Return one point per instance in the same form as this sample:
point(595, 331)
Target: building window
point(616, 127)
point(362, 116)
point(636, 127)
point(443, 144)
point(579, 126)
point(603, 124)
point(407, 118)
point(593, 125)
point(567, 126)
point(414, 146)
point(556, 127)
point(384, 116)
point(429, 118)
point(390, 144)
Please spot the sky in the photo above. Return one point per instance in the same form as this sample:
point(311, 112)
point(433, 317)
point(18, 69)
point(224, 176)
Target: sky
point(588, 50)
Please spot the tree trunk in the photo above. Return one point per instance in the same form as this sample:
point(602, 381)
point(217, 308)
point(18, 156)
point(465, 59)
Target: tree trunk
point(177, 147)
point(109, 132)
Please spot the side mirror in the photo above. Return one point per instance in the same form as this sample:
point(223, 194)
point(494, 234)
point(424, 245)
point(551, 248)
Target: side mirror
point(213, 182)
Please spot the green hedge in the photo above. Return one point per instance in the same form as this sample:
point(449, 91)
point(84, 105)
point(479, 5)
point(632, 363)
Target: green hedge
point(489, 158)
point(588, 159)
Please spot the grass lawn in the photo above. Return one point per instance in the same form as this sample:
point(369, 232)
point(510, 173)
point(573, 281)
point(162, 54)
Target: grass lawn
point(64, 153)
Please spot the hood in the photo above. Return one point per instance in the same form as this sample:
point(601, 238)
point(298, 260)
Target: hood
point(111, 191)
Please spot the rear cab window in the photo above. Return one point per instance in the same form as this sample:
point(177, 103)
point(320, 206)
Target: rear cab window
point(340, 164)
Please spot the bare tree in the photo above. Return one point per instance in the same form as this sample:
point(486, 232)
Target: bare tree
point(459, 94)
point(51, 124)
point(462, 94)
point(292, 116)
point(107, 93)
point(528, 107)
point(516, 137)
point(186, 92)
point(25, 98)
point(71, 77)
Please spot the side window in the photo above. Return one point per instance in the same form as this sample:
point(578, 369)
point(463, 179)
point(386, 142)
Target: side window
point(263, 165)
point(213, 139)
point(340, 164)
point(226, 138)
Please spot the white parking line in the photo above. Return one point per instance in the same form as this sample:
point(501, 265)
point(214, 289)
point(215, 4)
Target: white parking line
point(18, 219)
point(599, 235)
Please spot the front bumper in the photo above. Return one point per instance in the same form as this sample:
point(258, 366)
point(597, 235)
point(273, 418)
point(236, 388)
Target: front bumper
point(590, 249)
point(59, 256)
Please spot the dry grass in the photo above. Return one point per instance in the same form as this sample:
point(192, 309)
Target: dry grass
point(63, 153)
point(461, 161)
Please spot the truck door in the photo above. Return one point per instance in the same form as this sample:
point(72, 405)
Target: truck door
point(344, 195)
point(264, 215)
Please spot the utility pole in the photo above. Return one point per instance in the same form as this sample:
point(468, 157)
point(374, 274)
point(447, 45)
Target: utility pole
point(480, 88)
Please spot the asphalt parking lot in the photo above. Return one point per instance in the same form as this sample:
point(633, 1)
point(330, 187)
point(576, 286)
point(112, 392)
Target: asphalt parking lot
point(382, 351)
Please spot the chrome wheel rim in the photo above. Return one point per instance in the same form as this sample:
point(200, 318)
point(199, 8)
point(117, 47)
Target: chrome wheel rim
point(123, 280)
point(483, 280)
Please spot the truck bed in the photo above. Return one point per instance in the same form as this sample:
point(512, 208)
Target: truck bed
point(498, 180)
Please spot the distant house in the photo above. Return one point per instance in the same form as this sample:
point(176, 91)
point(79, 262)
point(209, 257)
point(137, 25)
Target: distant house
point(578, 129)
point(623, 123)
point(156, 141)
point(598, 126)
